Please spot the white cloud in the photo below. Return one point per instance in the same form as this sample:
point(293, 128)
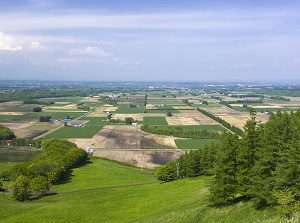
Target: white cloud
point(295, 60)
point(245, 65)
point(35, 45)
point(91, 51)
point(9, 43)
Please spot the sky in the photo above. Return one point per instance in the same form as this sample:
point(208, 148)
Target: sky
point(143, 40)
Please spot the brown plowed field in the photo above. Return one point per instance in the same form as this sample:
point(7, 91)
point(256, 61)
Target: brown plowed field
point(140, 158)
point(129, 144)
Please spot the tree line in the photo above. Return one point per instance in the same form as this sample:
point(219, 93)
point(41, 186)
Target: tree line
point(227, 125)
point(36, 177)
point(263, 165)
point(38, 102)
point(34, 94)
point(180, 132)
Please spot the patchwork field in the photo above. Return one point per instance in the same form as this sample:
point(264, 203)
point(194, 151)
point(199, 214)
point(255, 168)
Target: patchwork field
point(190, 117)
point(235, 118)
point(121, 142)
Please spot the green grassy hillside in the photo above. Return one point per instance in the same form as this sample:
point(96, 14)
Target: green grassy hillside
point(104, 191)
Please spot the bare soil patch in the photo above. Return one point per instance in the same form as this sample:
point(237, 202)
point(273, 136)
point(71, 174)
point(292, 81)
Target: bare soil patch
point(183, 107)
point(29, 129)
point(12, 113)
point(143, 159)
point(129, 144)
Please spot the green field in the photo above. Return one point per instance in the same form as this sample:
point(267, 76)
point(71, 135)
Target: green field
point(104, 191)
point(194, 143)
point(62, 114)
point(4, 117)
point(126, 109)
point(155, 120)
point(88, 131)
point(72, 100)
point(17, 154)
point(165, 102)
point(23, 108)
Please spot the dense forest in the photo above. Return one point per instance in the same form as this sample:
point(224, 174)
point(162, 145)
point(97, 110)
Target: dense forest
point(263, 165)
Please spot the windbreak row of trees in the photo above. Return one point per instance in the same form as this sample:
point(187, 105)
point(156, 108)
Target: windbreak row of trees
point(53, 166)
point(262, 165)
point(26, 95)
point(180, 132)
point(227, 125)
point(38, 102)
point(23, 142)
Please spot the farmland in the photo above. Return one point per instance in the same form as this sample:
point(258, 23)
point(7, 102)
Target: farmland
point(119, 181)
point(103, 127)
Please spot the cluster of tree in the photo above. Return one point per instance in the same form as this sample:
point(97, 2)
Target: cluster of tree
point(31, 94)
point(227, 104)
point(180, 132)
point(169, 113)
point(280, 98)
point(134, 106)
point(33, 101)
point(112, 120)
point(191, 164)
point(216, 97)
point(227, 125)
point(262, 165)
point(53, 166)
point(129, 120)
point(6, 133)
point(83, 106)
point(247, 96)
point(45, 118)
point(108, 100)
point(36, 109)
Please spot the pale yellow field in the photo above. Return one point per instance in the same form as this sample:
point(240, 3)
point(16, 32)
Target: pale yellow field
point(189, 117)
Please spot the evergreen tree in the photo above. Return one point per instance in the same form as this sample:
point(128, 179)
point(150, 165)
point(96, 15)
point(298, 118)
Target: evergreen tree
point(247, 155)
point(224, 187)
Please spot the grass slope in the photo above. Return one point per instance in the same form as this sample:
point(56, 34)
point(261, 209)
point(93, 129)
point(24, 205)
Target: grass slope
point(105, 191)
